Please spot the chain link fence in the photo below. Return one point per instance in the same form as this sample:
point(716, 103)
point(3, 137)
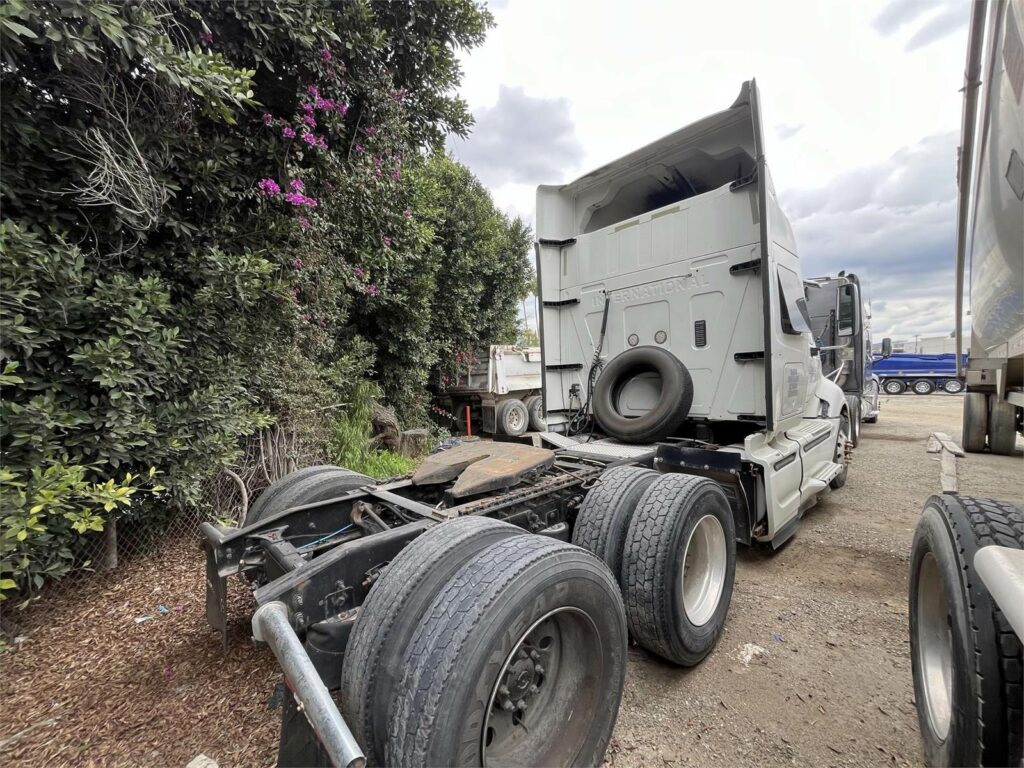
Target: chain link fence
point(223, 499)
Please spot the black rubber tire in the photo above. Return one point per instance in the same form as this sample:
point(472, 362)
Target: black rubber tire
point(839, 480)
point(535, 407)
point(953, 386)
point(460, 418)
point(974, 429)
point(278, 495)
point(1002, 427)
point(512, 417)
point(665, 417)
point(893, 387)
point(987, 716)
point(653, 556)
point(390, 614)
point(922, 387)
point(604, 516)
point(473, 624)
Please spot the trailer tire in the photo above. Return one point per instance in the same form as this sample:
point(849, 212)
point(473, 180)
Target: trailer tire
point(512, 417)
point(922, 387)
point(535, 407)
point(975, 422)
point(1002, 427)
point(953, 386)
point(604, 516)
point(464, 675)
point(390, 614)
point(974, 715)
point(283, 493)
point(894, 387)
point(679, 621)
point(668, 413)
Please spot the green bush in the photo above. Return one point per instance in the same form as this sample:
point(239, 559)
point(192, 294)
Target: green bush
point(351, 445)
point(219, 215)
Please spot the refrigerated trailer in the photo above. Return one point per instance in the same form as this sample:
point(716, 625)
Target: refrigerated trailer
point(478, 611)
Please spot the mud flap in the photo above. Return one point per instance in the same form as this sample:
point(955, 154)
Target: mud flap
point(216, 593)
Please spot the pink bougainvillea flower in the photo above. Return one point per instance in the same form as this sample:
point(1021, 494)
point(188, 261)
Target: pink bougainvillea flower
point(372, 289)
point(325, 55)
point(280, 299)
point(206, 38)
point(269, 187)
point(321, 142)
point(359, 149)
point(377, 161)
point(304, 317)
point(378, 174)
point(396, 174)
point(295, 198)
point(407, 213)
point(387, 241)
point(341, 108)
point(295, 292)
point(309, 138)
point(309, 120)
point(328, 186)
point(371, 131)
point(307, 107)
point(296, 185)
point(358, 271)
point(304, 222)
point(296, 263)
point(325, 103)
point(268, 119)
point(313, 91)
point(288, 132)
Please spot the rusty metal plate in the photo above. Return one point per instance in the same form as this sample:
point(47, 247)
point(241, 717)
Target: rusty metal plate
point(483, 466)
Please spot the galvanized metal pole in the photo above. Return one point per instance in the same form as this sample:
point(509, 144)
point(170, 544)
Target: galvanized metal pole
point(270, 625)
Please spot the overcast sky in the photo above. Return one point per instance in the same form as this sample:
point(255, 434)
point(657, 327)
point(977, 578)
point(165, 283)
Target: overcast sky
point(860, 100)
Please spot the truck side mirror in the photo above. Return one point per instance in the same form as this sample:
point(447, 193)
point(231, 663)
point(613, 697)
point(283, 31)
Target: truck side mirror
point(886, 347)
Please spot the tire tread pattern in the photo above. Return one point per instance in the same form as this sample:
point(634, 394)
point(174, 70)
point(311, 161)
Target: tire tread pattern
point(386, 609)
point(646, 581)
point(1000, 523)
point(593, 527)
point(449, 625)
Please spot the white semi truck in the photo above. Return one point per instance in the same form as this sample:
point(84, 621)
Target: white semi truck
point(967, 561)
point(673, 312)
point(478, 611)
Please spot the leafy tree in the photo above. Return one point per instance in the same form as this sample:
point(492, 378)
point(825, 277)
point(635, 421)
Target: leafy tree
point(216, 215)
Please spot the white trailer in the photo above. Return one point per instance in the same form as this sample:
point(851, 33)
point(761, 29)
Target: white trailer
point(966, 591)
point(500, 389)
point(673, 312)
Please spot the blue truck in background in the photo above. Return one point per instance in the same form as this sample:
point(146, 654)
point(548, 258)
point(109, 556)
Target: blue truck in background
point(921, 374)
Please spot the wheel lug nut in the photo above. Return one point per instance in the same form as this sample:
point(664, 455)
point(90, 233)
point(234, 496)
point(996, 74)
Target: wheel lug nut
point(521, 706)
point(538, 669)
point(534, 655)
point(507, 705)
point(534, 689)
point(503, 690)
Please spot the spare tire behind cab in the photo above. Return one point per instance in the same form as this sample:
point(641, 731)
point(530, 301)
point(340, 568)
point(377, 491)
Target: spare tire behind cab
point(667, 414)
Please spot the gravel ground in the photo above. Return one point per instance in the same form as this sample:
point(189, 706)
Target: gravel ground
point(828, 683)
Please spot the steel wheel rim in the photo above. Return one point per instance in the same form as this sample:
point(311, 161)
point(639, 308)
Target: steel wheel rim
point(514, 419)
point(934, 647)
point(891, 388)
point(953, 387)
point(843, 439)
point(921, 388)
point(702, 575)
point(561, 698)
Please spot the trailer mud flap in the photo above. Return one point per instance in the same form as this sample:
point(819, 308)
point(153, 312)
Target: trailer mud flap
point(216, 591)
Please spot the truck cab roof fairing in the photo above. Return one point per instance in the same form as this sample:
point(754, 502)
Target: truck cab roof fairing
point(702, 156)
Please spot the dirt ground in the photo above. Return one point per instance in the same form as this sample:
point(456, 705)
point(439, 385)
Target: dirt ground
point(833, 687)
point(89, 685)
